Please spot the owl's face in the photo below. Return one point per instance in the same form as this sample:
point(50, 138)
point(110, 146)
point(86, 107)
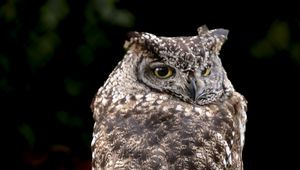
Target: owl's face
point(200, 86)
point(187, 67)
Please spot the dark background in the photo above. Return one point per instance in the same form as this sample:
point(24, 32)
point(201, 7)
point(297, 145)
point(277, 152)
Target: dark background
point(55, 54)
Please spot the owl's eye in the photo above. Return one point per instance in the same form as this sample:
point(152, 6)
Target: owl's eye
point(163, 72)
point(206, 71)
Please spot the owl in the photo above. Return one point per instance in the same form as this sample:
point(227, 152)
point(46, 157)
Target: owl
point(169, 105)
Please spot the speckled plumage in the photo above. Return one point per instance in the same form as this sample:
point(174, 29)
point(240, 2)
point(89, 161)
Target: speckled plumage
point(190, 120)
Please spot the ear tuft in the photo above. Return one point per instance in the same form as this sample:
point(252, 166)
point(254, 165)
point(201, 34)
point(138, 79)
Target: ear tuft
point(132, 37)
point(220, 33)
point(202, 29)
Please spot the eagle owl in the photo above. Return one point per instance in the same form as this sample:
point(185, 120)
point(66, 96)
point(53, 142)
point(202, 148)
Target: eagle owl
point(169, 105)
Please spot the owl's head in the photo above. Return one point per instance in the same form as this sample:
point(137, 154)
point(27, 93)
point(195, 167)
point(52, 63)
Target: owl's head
point(186, 67)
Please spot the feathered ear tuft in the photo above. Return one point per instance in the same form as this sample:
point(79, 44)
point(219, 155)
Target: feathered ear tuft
point(221, 36)
point(132, 37)
point(220, 33)
point(202, 30)
point(133, 34)
point(145, 40)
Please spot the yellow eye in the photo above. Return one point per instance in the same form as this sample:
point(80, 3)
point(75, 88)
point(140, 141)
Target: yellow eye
point(206, 71)
point(163, 72)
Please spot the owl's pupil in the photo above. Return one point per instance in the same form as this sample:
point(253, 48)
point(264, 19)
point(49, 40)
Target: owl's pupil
point(163, 72)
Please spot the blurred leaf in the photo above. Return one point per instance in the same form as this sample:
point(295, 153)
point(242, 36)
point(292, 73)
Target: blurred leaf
point(4, 63)
point(73, 87)
point(85, 54)
point(279, 35)
point(41, 49)
point(28, 134)
point(98, 11)
point(34, 159)
point(8, 10)
point(295, 52)
point(4, 86)
point(68, 119)
point(42, 43)
point(60, 148)
point(95, 37)
point(262, 49)
point(108, 11)
point(277, 39)
point(52, 13)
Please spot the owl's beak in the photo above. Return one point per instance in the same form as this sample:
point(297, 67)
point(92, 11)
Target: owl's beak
point(195, 86)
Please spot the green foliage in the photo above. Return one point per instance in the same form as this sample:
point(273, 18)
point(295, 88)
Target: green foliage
point(44, 40)
point(295, 51)
point(68, 120)
point(4, 63)
point(27, 133)
point(106, 9)
point(278, 39)
point(73, 87)
point(44, 58)
point(41, 49)
point(9, 11)
point(51, 14)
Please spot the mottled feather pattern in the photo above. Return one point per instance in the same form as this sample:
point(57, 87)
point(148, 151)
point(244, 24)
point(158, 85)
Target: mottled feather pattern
point(139, 125)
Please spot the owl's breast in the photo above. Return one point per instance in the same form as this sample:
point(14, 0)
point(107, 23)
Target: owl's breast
point(154, 131)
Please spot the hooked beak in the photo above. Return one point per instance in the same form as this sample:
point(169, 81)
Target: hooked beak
point(195, 86)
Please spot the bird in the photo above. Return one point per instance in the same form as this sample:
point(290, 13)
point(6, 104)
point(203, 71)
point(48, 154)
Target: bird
point(169, 104)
